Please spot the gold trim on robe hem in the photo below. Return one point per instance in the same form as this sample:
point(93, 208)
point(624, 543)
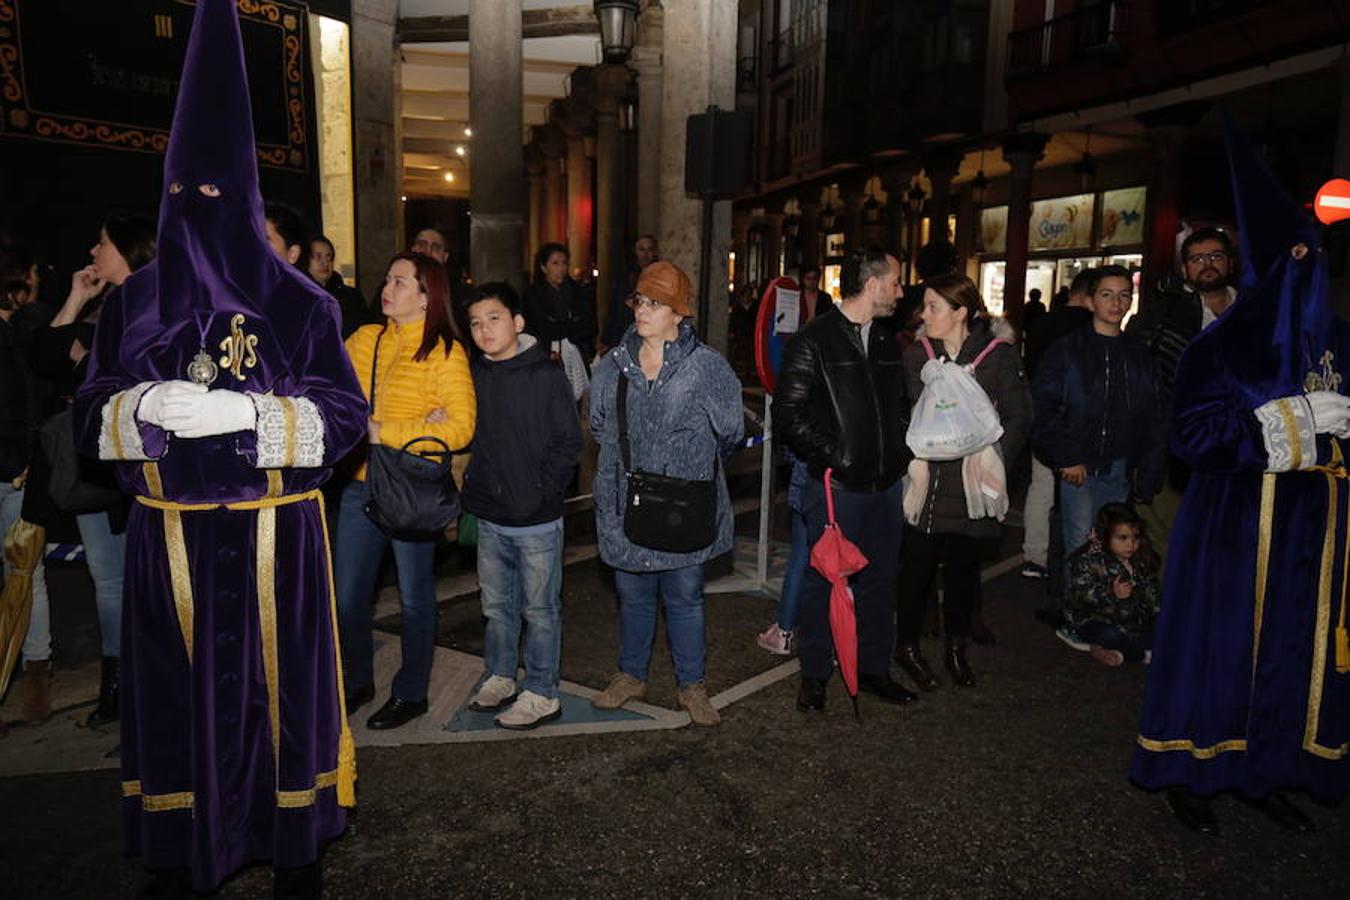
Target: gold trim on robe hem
point(1189, 746)
point(185, 800)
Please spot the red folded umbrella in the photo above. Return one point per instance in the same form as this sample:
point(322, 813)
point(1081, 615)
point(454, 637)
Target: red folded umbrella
point(836, 558)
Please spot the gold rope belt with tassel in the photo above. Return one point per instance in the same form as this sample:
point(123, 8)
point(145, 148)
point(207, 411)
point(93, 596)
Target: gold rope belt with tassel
point(180, 576)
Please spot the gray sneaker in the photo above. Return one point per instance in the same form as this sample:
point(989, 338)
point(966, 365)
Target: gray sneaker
point(622, 688)
point(494, 693)
point(530, 711)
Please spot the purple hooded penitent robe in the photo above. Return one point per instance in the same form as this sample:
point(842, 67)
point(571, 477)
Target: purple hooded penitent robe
point(1249, 689)
point(235, 746)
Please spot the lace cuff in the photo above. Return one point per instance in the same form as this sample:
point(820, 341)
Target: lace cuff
point(119, 437)
point(289, 432)
point(1287, 430)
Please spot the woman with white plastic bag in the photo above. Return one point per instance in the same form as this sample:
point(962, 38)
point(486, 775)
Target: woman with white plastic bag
point(972, 415)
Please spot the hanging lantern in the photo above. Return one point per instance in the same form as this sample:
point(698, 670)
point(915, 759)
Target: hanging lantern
point(618, 28)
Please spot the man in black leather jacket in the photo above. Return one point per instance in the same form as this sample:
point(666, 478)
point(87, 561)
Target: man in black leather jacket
point(841, 405)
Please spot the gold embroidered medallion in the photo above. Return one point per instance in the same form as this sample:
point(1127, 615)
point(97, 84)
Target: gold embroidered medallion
point(1326, 380)
point(240, 349)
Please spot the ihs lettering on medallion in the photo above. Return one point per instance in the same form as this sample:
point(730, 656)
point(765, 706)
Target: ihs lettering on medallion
point(240, 349)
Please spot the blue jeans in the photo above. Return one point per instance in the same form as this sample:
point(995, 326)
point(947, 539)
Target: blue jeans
point(360, 549)
point(106, 555)
point(1078, 506)
point(1112, 637)
point(799, 559)
point(681, 590)
point(520, 575)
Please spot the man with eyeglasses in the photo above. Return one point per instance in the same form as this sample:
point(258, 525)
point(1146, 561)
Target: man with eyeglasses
point(1167, 325)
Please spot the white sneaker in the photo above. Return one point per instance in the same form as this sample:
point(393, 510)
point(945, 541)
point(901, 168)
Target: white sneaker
point(494, 693)
point(530, 711)
point(1070, 637)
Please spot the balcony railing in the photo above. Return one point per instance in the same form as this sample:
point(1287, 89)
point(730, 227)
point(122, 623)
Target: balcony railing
point(1184, 15)
point(1092, 30)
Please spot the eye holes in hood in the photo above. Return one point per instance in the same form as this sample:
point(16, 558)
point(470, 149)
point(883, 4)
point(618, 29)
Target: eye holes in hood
point(206, 190)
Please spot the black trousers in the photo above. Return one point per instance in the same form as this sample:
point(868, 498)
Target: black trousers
point(920, 555)
point(868, 520)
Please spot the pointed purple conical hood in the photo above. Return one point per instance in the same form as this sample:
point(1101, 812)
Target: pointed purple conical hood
point(212, 137)
point(213, 258)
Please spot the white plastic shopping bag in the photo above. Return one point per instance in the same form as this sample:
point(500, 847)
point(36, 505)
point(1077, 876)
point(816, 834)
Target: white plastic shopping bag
point(953, 417)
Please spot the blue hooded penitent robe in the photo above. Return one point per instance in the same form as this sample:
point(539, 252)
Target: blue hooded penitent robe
point(1249, 689)
point(235, 746)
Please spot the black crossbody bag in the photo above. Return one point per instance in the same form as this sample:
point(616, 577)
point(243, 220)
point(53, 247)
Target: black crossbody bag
point(676, 515)
point(412, 496)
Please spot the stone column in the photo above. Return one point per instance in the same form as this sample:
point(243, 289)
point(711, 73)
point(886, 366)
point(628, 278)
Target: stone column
point(773, 240)
point(646, 61)
point(699, 42)
point(535, 167)
point(555, 189)
point(496, 165)
point(1022, 152)
point(740, 245)
point(896, 180)
point(379, 161)
point(808, 233)
point(1164, 207)
point(940, 167)
point(580, 208)
point(611, 83)
point(967, 225)
point(851, 218)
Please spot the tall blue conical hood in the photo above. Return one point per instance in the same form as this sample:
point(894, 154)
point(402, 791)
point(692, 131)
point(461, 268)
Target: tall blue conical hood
point(1281, 322)
point(213, 258)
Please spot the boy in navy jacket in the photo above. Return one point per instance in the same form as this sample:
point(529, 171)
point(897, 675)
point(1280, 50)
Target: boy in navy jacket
point(527, 443)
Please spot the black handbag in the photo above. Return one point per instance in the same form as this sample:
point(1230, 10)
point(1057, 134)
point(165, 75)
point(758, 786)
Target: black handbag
point(412, 496)
point(77, 485)
point(676, 515)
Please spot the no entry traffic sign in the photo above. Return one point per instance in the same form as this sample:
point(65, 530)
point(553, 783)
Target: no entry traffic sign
point(1333, 201)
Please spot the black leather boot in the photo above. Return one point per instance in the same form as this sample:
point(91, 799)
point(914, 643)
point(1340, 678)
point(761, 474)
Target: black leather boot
point(109, 695)
point(957, 667)
point(916, 667)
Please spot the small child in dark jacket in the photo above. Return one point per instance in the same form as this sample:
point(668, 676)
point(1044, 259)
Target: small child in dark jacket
point(1113, 589)
point(527, 442)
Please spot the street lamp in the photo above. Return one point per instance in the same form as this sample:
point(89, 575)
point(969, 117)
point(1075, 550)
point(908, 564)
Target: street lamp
point(618, 27)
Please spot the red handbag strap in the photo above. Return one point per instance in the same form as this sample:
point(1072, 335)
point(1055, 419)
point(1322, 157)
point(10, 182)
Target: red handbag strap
point(927, 347)
point(829, 498)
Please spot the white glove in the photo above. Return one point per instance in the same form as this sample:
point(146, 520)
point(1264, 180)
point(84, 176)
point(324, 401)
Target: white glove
point(153, 402)
point(1330, 412)
point(210, 414)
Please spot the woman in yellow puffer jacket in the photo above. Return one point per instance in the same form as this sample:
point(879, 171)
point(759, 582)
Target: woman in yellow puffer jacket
point(422, 387)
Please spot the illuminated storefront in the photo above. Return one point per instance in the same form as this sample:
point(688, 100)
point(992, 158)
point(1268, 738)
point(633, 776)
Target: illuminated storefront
point(1067, 235)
